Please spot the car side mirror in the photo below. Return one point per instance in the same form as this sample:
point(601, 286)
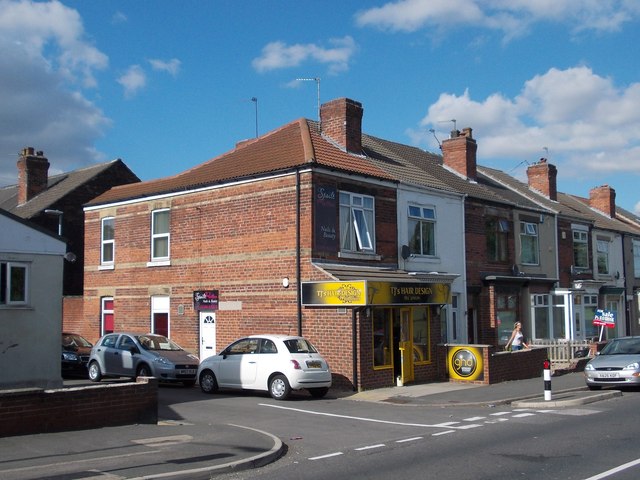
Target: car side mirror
point(133, 349)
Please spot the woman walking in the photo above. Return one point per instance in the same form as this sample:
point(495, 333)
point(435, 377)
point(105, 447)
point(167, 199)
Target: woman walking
point(517, 339)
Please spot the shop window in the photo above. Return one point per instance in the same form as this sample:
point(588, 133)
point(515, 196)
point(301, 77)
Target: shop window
point(422, 227)
point(160, 236)
point(421, 351)
point(107, 315)
point(357, 225)
point(107, 249)
point(382, 338)
point(507, 308)
point(580, 249)
point(529, 243)
point(497, 235)
point(602, 247)
point(14, 283)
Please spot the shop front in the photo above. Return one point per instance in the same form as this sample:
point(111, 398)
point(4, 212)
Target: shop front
point(395, 324)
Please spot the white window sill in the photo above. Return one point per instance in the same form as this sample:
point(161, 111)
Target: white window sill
point(159, 263)
point(106, 267)
point(359, 256)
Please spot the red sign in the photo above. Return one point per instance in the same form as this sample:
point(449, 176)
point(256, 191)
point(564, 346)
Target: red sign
point(605, 318)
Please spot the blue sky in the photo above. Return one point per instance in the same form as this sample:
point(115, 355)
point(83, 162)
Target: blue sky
point(167, 85)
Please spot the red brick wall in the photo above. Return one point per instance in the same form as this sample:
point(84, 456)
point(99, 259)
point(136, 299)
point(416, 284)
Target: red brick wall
point(25, 412)
point(73, 315)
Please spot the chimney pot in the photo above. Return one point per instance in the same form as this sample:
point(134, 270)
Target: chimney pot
point(603, 198)
point(459, 153)
point(33, 174)
point(341, 120)
point(542, 177)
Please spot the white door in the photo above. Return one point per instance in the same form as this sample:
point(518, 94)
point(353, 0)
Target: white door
point(207, 334)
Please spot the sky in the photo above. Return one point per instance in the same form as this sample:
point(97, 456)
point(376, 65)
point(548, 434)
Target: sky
point(167, 85)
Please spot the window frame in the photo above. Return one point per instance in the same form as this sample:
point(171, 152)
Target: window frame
point(602, 254)
point(105, 242)
point(580, 245)
point(159, 236)
point(497, 239)
point(529, 232)
point(636, 258)
point(105, 312)
point(425, 217)
point(7, 279)
point(360, 235)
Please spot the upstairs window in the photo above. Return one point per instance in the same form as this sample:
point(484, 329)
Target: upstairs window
point(357, 226)
point(107, 249)
point(602, 247)
point(160, 236)
point(529, 252)
point(422, 226)
point(497, 235)
point(636, 258)
point(580, 249)
point(14, 285)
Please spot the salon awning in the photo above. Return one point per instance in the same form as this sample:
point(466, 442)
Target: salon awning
point(353, 286)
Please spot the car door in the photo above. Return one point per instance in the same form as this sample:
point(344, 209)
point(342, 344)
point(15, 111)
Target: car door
point(238, 365)
point(128, 350)
point(110, 354)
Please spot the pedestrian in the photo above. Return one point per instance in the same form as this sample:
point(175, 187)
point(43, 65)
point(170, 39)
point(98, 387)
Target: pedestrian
point(517, 339)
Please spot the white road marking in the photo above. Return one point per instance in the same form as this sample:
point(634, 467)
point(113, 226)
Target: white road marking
point(497, 414)
point(329, 455)
point(615, 470)
point(364, 419)
point(522, 415)
point(442, 433)
point(413, 439)
point(369, 447)
point(473, 419)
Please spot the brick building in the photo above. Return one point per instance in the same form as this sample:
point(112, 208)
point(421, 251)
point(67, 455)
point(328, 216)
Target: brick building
point(294, 232)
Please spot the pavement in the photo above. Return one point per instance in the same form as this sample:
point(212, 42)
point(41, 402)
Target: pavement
point(183, 450)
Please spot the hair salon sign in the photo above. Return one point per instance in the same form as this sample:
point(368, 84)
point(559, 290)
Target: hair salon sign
point(205, 300)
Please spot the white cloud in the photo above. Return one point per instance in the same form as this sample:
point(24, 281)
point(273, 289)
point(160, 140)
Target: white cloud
point(119, 18)
point(585, 120)
point(133, 80)
point(46, 60)
point(511, 17)
point(170, 66)
point(278, 55)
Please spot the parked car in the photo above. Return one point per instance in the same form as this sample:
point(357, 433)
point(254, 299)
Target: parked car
point(75, 355)
point(147, 355)
point(617, 364)
point(278, 364)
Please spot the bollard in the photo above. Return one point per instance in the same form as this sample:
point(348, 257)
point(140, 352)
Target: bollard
point(547, 380)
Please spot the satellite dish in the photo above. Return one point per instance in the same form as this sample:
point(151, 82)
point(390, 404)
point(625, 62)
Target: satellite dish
point(70, 257)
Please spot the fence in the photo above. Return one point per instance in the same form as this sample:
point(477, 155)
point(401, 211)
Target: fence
point(562, 352)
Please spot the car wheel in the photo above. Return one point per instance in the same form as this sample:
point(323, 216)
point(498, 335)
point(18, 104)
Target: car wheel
point(143, 371)
point(594, 387)
point(208, 382)
point(95, 375)
point(318, 392)
point(279, 387)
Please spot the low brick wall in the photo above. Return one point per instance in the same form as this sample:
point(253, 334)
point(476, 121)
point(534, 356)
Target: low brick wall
point(505, 366)
point(30, 411)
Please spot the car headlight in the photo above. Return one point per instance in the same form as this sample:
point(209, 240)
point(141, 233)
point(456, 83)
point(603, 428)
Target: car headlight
point(588, 366)
point(162, 360)
point(70, 357)
point(632, 366)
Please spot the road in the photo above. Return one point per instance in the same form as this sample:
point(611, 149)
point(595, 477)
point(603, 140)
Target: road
point(340, 438)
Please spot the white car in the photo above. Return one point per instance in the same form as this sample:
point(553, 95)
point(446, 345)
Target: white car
point(278, 364)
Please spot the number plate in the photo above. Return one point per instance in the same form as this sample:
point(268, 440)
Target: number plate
point(188, 371)
point(608, 374)
point(314, 364)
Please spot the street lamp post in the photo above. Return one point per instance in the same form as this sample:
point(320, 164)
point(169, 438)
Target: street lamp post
point(59, 214)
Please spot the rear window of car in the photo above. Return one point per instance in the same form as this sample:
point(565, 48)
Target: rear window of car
point(299, 345)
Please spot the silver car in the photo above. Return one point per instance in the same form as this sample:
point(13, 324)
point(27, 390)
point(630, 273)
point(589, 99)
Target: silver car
point(618, 364)
point(142, 355)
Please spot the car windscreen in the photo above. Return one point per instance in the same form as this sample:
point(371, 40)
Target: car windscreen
point(71, 340)
point(624, 346)
point(299, 345)
point(158, 343)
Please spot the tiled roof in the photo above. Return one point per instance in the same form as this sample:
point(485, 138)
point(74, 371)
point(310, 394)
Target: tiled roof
point(600, 220)
point(58, 186)
point(344, 272)
point(296, 144)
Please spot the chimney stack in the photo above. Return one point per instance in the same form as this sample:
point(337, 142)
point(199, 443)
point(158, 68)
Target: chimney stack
point(341, 120)
point(542, 177)
point(603, 198)
point(459, 153)
point(33, 174)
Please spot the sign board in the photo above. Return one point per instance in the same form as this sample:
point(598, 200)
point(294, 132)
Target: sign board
point(605, 318)
point(465, 363)
point(205, 300)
